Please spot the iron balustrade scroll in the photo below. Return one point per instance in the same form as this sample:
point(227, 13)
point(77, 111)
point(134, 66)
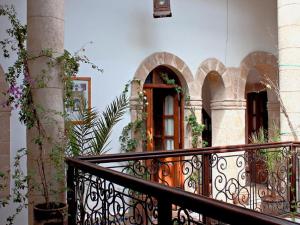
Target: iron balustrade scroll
point(263, 178)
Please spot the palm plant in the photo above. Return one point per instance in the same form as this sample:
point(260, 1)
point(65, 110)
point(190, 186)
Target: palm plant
point(91, 135)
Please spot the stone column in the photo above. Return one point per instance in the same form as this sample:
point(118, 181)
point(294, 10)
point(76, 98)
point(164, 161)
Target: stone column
point(228, 122)
point(4, 138)
point(273, 117)
point(136, 108)
point(289, 64)
point(228, 128)
point(196, 104)
point(45, 20)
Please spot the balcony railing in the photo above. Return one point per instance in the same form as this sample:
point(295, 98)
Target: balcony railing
point(184, 186)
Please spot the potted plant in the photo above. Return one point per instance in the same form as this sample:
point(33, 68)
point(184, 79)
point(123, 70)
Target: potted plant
point(20, 96)
point(270, 173)
point(93, 133)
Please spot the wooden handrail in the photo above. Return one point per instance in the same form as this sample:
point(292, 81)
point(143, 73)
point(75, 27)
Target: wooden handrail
point(208, 207)
point(106, 158)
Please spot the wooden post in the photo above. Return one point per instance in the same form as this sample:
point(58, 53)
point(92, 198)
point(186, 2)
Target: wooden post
point(164, 212)
point(71, 195)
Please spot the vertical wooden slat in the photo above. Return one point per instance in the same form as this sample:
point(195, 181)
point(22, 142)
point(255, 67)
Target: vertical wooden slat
point(164, 212)
point(205, 175)
point(150, 141)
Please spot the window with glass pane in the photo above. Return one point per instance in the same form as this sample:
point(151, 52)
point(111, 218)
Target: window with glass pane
point(169, 105)
point(169, 127)
point(169, 144)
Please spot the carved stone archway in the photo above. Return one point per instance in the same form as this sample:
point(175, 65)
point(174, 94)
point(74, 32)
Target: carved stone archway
point(261, 61)
point(261, 64)
point(178, 66)
point(169, 60)
point(206, 67)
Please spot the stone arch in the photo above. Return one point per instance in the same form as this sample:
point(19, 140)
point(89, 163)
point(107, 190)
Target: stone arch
point(5, 112)
point(254, 67)
point(164, 59)
point(177, 65)
point(211, 65)
point(210, 72)
point(211, 87)
point(260, 61)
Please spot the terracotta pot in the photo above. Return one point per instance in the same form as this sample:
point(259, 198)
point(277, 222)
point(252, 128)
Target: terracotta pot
point(56, 214)
point(274, 205)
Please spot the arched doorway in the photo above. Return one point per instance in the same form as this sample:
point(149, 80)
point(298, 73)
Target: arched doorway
point(180, 71)
point(263, 109)
point(257, 100)
point(164, 110)
point(165, 117)
point(260, 71)
point(146, 81)
point(212, 94)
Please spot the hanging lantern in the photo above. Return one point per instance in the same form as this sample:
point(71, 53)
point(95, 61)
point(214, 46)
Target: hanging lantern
point(161, 8)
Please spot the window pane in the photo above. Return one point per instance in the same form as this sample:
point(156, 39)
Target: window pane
point(158, 144)
point(149, 79)
point(254, 106)
point(169, 143)
point(169, 127)
point(169, 102)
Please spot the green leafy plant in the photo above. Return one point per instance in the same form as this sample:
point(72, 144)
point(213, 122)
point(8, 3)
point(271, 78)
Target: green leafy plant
point(168, 81)
point(20, 96)
point(91, 134)
point(19, 192)
point(196, 128)
point(270, 156)
point(134, 133)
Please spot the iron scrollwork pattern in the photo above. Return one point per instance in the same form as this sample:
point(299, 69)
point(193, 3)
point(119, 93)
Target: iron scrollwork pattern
point(245, 177)
point(102, 202)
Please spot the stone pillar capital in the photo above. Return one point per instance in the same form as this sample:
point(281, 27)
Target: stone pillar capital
point(228, 104)
point(195, 103)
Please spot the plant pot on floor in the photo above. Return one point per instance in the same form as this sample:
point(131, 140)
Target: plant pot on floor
point(55, 214)
point(274, 205)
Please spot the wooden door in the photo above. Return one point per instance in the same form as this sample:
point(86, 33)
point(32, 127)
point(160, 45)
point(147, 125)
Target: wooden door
point(164, 120)
point(257, 111)
point(257, 117)
point(149, 123)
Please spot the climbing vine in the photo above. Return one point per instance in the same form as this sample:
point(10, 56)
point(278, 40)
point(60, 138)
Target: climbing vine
point(134, 133)
point(170, 81)
point(20, 96)
point(196, 128)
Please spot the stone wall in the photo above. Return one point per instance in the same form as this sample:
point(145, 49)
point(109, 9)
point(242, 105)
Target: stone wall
point(4, 138)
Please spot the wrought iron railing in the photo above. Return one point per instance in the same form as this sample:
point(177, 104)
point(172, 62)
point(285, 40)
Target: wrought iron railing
point(108, 189)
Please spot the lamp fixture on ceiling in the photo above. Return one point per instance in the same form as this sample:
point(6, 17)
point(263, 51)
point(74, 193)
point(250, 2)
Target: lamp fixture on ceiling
point(161, 8)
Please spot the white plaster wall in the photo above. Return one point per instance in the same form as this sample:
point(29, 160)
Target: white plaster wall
point(124, 33)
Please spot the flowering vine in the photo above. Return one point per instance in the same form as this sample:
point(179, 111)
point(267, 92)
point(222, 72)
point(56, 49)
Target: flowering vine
point(19, 95)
